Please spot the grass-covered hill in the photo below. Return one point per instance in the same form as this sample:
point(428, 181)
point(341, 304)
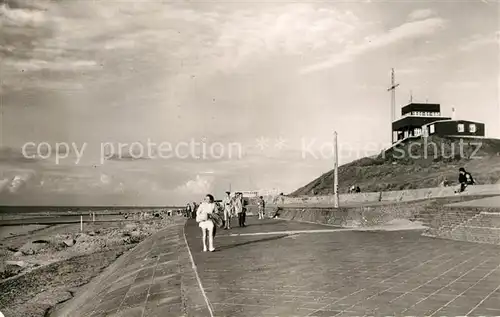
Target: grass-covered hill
point(396, 169)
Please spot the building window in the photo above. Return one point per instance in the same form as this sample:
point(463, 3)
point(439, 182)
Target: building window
point(460, 127)
point(431, 129)
point(472, 128)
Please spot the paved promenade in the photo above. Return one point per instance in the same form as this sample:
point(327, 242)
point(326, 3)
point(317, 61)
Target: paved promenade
point(155, 279)
point(266, 269)
point(490, 202)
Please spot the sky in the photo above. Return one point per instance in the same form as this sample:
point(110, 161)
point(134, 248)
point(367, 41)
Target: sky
point(263, 85)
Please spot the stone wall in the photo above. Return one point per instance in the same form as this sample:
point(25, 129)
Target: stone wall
point(360, 216)
point(391, 196)
point(482, 228)
point(464, 224)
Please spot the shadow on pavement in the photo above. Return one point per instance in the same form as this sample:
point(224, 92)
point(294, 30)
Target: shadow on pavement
point(251, 242)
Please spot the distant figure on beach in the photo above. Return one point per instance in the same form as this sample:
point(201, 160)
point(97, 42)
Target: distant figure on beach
point(262, 206)
point(445, 182)
point(227, 204)
point(357, 189)
point(465, 179)
point(206, 208)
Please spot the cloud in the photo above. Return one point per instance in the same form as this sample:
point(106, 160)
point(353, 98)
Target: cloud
point(245, 34)
point(428, 58)
point(102, 39)
point(19, 181)
point(20, 16)
point(56, 65)
point(409, 30)
point(198, 186)
point(421, 14)
point(4, 183)
point(462, 84)
point(480, 40)
point(14, 155)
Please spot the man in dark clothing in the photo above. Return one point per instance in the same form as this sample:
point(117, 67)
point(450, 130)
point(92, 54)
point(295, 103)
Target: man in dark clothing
point(465, 179)
point(194, 209)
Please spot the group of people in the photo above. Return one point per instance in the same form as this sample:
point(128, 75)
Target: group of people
point(354, 189)
point(207, 215)
point(234, 206)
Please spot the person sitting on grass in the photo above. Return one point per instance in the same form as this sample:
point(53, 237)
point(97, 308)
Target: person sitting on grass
point(465, 179)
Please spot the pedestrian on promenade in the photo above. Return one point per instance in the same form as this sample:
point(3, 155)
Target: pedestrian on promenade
point(262, 206)
point(206, 224)
point(188, 211)
point(278, 201)
point(227, 205)
point(238, 208)
point(193, 211)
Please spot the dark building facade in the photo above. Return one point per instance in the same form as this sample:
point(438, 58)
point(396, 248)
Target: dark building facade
point(464, 128)
point(426, 119)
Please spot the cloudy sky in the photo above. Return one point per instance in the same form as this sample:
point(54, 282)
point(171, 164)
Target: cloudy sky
point(262, 84)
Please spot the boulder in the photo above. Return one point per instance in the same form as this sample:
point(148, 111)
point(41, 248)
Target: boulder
point(16, 263)
point(69, 242)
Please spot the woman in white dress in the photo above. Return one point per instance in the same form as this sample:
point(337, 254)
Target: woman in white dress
point(207, 226)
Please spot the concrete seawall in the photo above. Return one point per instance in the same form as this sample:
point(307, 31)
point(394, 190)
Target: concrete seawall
point(473, 221)
point(393, 196)
point(369, 215)
point(155, 278)
point(353, 217)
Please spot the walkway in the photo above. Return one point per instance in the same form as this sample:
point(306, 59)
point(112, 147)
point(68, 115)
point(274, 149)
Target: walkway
point(490, 202)
point(344, 273)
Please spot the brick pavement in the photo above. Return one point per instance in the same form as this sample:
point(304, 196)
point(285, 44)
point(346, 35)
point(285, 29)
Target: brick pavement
point(489, 202)
point(345, 273)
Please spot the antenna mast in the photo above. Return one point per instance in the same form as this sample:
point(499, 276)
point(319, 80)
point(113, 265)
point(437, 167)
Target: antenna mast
point(392, 89)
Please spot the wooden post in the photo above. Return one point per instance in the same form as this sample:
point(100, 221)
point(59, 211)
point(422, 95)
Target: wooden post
point(93, 217)
point(81, 223)
point(335, 172)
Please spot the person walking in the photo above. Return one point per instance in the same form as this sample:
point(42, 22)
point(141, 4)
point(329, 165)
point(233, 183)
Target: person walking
point(238, 208)
point(227, 205)
point(262, 207)
point(193, 210)
point(205, 209)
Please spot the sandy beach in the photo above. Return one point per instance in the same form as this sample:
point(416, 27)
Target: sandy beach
point(43, 265)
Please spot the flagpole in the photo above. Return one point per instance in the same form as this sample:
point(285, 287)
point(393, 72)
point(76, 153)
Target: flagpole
point(335, 172)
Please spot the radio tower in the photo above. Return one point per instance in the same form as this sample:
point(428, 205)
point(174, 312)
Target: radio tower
point(392, 89)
